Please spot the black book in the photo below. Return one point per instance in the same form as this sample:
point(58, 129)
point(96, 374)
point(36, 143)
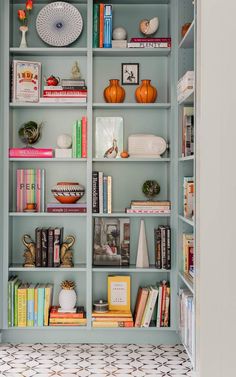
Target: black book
point(157, 238)
point(95, 192)
point(44, 239)
point(38, 251)
point(168, 244)
point(50, 261)
point(163, 247)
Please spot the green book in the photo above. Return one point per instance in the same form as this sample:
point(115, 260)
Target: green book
point(9, 301)
point(95, 25)
point(16, 286)
point(78, 139)
point(74, 139)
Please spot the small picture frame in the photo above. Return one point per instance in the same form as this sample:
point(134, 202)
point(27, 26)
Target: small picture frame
point(130, 73)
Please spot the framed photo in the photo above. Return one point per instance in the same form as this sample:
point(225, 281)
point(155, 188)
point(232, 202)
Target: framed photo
point(130, 73)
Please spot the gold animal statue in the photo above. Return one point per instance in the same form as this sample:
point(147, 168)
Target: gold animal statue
point(30, 251)
point(66, 254)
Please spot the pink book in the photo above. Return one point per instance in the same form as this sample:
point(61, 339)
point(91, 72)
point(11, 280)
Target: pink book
point(30, 152)
point(158, 40)
point(84, 137)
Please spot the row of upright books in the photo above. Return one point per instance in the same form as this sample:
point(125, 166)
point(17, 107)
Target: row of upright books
point(48, 243)
point(162, 237)
point(186, 321)
point(101, 193)
point(28, 304)
point(188, 132)
point(149, 207)
point(153, 302)
point(188, 197)
point(185, 86)
point(188, 256)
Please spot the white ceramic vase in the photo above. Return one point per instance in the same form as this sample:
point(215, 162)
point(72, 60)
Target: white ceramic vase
point(67, 299)
point(23, 30)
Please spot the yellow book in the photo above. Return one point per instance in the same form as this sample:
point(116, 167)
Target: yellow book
point(113, 313)
point(47, 302)
point(119, 293)
point(36, 305)
point(105, 324)
point(81, 321)
point(22, 305)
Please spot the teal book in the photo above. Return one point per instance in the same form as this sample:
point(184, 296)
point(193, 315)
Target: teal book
point(95, 25)
point(16, 286)
point(79, 139)
point(41, 294)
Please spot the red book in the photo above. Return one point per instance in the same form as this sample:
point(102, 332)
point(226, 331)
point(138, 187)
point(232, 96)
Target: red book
point(30, 152)
point(64, 92)
point(55, 314)
point(140, 306)
point(84, 137)
point(101, 25)
point(158, 40)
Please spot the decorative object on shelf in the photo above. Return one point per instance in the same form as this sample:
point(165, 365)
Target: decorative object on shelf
point(30, 251)
point(147, 146)
point(130, 73)
point(100, 306)
point(26, 81)
point(114, 93)
point(113, 151)
point(119, 33)
point(23, 15)
point(67, 296)
point(124, 154)
point(66, 255)
point(30, 133)
point(142, 260)
point(185, 28)
point(107, 130)
point(59, 24)
point(64, 141)
point(52, 80)
point(151, 188)
point(68, 192)
point(146, 93)
point(149, 27)
point(75, 71)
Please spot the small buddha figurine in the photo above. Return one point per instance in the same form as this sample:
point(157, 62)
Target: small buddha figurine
point(75, 71)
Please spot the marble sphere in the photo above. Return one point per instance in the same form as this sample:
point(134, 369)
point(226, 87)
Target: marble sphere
point(119, 33)
point(64, 141)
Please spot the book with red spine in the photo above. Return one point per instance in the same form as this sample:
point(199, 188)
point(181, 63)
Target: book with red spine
point(101, 25)
point(62, 93)
point(158, 40)
point(84, 137)
point(30, 153)
point(54, 313)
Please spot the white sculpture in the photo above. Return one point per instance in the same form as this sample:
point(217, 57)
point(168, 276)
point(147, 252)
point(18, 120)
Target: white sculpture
point(142, 260)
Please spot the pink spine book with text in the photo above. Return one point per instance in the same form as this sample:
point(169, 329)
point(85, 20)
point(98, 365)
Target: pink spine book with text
point(30, 152)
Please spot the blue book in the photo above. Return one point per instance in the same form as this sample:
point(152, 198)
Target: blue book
point(107, 40)
point(30, 305)
point(41, 294)
point(104, 194)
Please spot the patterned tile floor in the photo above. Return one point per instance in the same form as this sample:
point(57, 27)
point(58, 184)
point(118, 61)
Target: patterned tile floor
point(96, 360)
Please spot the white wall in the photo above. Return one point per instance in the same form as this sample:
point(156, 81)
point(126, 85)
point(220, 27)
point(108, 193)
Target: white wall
point(216, 296)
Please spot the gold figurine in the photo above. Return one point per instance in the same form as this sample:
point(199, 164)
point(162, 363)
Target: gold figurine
point(30, 251)
point(66, 253)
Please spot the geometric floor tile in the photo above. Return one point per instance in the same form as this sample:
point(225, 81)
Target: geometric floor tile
point(95, 360)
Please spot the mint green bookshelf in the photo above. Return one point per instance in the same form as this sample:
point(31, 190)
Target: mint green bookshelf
point(163, 67)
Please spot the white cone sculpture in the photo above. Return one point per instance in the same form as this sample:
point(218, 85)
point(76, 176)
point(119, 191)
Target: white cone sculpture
point(142, 260)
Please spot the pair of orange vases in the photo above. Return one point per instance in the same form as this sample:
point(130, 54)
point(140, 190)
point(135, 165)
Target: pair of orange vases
point(115, 93)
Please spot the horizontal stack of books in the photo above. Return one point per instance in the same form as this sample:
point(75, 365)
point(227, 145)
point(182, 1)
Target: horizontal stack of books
point(149, 43)
point(188, 132)
point(186, 320)
point(149, 298)
point(79, 138)
point(69, 90)
point(162, 239)
point(30, 190)
point(188, 256)
point(101, 193)
point(102, 25)
point(56, 207)
point(113, 318)
point(48, 242)
point(59, 318)
point(149, 207)
point(28, 304)
point(188, 197)
point(185, 85)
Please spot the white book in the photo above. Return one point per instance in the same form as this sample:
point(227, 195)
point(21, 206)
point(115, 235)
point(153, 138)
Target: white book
point(158, 324)
point(100, 191)
point(63, 100)
point(150, 305)
point(109, 194)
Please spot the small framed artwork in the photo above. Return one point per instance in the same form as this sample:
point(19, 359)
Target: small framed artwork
point(130, 73)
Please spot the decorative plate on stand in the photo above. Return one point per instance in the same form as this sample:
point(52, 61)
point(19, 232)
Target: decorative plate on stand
point(59, 24)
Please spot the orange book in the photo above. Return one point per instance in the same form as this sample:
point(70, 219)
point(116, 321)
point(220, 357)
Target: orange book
point(101, 25)
point(140, 306)
point(55, 314)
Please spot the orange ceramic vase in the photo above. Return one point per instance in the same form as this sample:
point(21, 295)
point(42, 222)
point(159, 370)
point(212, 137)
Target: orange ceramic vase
point(114, 93)
point(146, 93)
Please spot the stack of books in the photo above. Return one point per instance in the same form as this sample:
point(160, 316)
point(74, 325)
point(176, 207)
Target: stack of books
point(151, 298)
point(101, 193)
point(48, 242)
point(66, 208)
point(162, 237)
point(149, 207)
point(188, 256)
point(149, 43)
point(79, 138)
point(185, 86)
point(59, 318)
point(30, 190)
point(28, 304)
point(102, 25)
point(188, 132)
point(70, 90)
point(186, 320)
point(113, 318)
point(188, 197)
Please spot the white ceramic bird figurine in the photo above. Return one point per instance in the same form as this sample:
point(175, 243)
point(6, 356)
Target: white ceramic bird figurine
point(113, 151)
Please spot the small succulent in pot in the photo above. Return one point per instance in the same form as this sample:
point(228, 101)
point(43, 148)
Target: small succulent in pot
point(151, 188)
point(30, 132)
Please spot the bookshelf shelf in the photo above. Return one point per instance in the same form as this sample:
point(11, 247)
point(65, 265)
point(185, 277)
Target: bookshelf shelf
point(54, 160)
point(187, 158)
point(46, 214)
point(18, 267)
point(131, 105)
point(123, 214)
point(48, 51)
point(130, 159)
point(134, 329)
point(188, 39)
point(47, 328)
point(47, 105)
point(124, 52)
point(131, 268)
point(187, 221)
point(187, 282)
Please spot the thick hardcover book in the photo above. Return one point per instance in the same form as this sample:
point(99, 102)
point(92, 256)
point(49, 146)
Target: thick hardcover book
point(67, 210)
point(50, 258)
point(56, 247)
point(30, 190)
point(107, 26)
point(101, 25)
point(22, 305)
point(150, 40)
point(44, 241)
point(157, 237)
point(16, 286)
point(163, 247)
point(112, 324)
point(149, 45)
point(100, 191)
point(150, 305)
point(168, 246)
point(38, 242)
point(151, 203)
point(30, 305)
point(30, 152)
point(54, 313)
point(140, 305)
point(118, 292)
point(72, 82)
point(78, 139)
point(109, 194)
point(47, 302)
point(41, 298)
point(105, 194)
point(95, 25)
point(95, 193)
point(26, 81)
point(84, 137)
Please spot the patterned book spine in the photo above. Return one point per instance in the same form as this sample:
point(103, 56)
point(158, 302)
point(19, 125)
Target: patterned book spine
point(50, 261)
point(105, 194)
point(22, 307)
point(38, 241)
point(44, 241)
point(163, 247)
point(95, 25)
point(100, 191)
point(84, 137)
point(56, 251)
point(101, 25)
point(95, 197)
point(16, 286)
point(158, 248)
point(168, 247)
point(107, 26)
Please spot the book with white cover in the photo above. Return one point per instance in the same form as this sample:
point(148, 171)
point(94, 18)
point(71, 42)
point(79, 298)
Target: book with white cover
point(150, 305)
point(107, 130)
point(26, 81)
